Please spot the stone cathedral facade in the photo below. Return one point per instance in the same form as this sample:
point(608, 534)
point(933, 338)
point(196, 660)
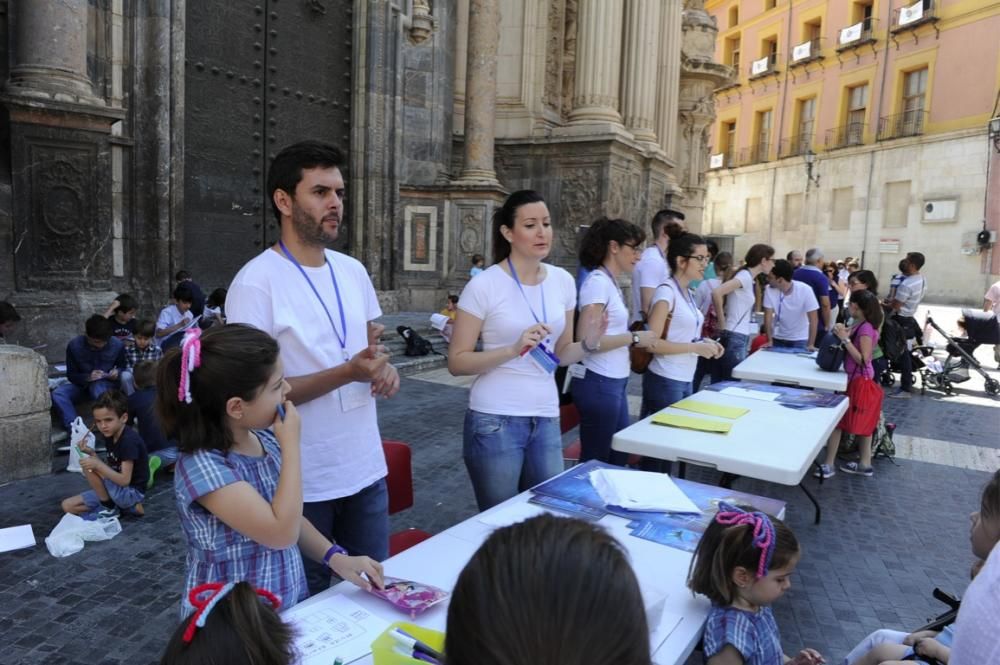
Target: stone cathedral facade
point(136, 134)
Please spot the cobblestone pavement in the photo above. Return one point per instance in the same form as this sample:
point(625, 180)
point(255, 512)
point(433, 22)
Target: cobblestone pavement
point(884, 543)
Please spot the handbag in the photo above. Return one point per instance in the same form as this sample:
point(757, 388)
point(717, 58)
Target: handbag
point(864, 407)
point(638, 357)
point(831, 352)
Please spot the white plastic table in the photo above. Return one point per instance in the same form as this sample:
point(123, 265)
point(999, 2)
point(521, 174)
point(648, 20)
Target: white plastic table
point(661, 570)
point(771, 442)
point(790, 369)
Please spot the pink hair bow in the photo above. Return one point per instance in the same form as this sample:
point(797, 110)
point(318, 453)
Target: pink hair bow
point(190, 361)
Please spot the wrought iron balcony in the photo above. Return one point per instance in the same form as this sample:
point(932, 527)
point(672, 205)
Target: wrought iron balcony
point(907, 123)
point(764, 66)
point(857, 34)
point(759, 153)
point(846, 135)
point(793, 146)
point(807, 51)
point(919, 13)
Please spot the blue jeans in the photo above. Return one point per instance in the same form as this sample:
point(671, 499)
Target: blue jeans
point(359, 523)
point(658, 393)
point(65, 397)
point(736, 345)
point(124, 497)
point(790, 343)
point(505, 455)
point(603, 406)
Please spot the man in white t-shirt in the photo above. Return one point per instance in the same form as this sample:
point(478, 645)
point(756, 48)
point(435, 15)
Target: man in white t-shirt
point(652, 270)
point(320, 305)
point(904, 303)
point(790, 310)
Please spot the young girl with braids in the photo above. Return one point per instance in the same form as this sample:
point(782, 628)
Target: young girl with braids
point(744, 563)
point(237, 484)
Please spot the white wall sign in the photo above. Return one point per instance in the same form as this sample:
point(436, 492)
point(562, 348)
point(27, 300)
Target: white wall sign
point(716, 161)
point(851, 33)
point(759, 66)
point(802, 51)
point(914, 12)
point(888, 245)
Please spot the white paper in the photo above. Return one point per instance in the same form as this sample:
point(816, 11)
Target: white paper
point(658, 635)
point(641, 490)
point(439, 321)
point(16, 538)
point(511, 514)
point(750, 394)
point(335, 627)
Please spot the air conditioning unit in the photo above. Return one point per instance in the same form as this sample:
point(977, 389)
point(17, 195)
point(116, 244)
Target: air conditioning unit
point(940, 210)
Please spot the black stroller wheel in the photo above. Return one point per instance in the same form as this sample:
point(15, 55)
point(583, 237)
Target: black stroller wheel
point(887, 379)
point(992, 387)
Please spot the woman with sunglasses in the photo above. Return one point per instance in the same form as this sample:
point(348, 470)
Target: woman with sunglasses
point(735, 314)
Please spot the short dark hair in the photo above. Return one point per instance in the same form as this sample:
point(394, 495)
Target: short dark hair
point(666, 217)
point(682, 245)
point(783, 269)
point(476, 258)
point(758, 253)
point(505, 216)
point(184, 293)
point(869, 305)
point(217, 298)
point(791, 254)
point(285, 172)
point(145, 328)
point(126, 303)
point(866, 277)
point(236, 361)
point(723, 548)
point(713, 247)
point(181, 275)
point(522, 599)
point(241, 628)
point(452, 298)
point(916, 259)
point(723, 263)
point(597, 240)
point(98, 327)
point(113, 400)
point(144, 373)
point(7, 313)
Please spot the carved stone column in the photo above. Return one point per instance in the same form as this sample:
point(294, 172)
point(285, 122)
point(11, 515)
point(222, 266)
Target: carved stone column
point(670, 74)
point(598, 62)
point(642, 19)
point(481, 91)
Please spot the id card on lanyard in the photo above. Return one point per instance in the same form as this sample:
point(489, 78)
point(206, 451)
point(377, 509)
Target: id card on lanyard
point(543, 358)
point(699, 318)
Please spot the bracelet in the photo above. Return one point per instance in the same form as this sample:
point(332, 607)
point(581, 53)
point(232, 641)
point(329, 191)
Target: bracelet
point(334, 549)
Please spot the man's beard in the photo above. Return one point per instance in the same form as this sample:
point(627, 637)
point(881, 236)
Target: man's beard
point(310, 230)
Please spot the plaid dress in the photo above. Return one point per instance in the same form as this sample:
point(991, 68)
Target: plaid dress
point(218, 553)
point(754, 634)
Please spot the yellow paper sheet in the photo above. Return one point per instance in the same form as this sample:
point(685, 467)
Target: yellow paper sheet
point(710, 409)
point(688, 422)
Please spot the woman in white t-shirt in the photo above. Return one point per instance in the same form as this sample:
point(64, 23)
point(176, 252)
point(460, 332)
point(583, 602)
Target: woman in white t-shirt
point(735, 317)
point(670, 374)
point(723, 265)
point(523, 309)
point(609, 248)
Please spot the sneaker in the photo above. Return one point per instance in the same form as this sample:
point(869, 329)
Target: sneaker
point(154, 464)
point(858, 470)
point(899, 393)
point(107, 513)
point(824, 471)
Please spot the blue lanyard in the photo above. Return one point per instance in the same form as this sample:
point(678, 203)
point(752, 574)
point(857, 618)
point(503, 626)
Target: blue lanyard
point(336, 288)
point(781, 301)
point(541, 289)
point(689, 301)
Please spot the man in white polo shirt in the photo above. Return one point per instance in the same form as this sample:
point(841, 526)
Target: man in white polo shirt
point(908, 296)
point(790, 310)
point(652, 270)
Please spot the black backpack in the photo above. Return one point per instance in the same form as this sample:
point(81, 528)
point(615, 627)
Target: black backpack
point(830, 353)
point(415, 344)
point(892, 339)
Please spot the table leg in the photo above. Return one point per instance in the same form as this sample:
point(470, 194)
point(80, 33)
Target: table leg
point(813, 499)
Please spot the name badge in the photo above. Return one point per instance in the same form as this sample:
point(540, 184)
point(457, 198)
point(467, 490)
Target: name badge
point(545, 360)
point(577, 371)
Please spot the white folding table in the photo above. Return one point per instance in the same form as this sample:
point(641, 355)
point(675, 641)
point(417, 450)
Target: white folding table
point(789, 369)
point(772, 442)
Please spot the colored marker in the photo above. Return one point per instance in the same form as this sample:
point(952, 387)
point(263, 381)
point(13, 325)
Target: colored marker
point(403, 637)
point(281, 414)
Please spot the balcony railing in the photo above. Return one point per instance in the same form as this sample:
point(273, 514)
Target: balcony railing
point(919, 13)
point(806, 52)
point(857, 34)
point(764, 66)
point(723, 160)
point(794, 146)
point(759, 153)
point(907, 123)
point(846, 135)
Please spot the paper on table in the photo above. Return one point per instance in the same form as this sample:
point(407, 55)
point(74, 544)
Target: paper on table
point(752, 394)
point(16, 538)
point(641, 490)
point(687, 422)
point(510, 514)
point(336, 627)
point(710, 409)
point(668, 622)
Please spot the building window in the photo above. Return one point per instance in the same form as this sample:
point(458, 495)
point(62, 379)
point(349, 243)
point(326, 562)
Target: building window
point(731, 52)
point(914, 94)
point(812, 31)
point(807, 119)
point(857, 107)
point(762, 146)
point(862, 11)
point(769, 4)
point(727, 142)
point(734, 15)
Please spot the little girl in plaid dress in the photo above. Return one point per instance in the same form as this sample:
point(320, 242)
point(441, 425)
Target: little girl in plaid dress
point(743, 563)
point(237, 485)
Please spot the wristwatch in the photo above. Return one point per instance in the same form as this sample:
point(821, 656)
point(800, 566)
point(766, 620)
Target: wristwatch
point(334, 549)
point(635, 338)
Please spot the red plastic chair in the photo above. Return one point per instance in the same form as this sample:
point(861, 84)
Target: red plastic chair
point(569, 417)
point(399, 482)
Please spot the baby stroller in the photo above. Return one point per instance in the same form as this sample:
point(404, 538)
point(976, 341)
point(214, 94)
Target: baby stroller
point(980, 328)
point(892, 341)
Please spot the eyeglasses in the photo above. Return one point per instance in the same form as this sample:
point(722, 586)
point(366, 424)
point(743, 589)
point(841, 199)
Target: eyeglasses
point(634, 248)
point(699, 259)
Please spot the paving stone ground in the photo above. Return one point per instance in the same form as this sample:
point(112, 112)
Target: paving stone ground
point(883, 545)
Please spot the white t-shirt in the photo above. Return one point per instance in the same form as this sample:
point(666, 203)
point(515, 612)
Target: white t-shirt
point(651, 271)
point(171, 316)
point(739, 304)
point(977, 640)
point(517, 387)
point(703, 294)
point(791, 320)
point(600, 288)
point(341, 445)
point(685, 327)
point(993, 295)
point(910, 293)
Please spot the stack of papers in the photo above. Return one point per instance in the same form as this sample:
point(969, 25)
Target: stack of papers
point(641, 490)
point(710, 409)
point(688, 422)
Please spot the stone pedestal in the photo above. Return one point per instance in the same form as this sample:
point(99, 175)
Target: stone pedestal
point(25, 450)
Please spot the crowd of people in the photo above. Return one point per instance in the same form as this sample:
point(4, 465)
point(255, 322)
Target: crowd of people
point(263, 400)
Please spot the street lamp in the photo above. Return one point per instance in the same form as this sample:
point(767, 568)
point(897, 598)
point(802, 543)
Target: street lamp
point(810, 157)
point(994, 130)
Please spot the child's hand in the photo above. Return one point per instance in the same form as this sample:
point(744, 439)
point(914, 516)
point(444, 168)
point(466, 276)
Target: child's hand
point(354, 569)
point(913, 638)
point(807, 657)
point(287, 431)
point(931, 648)
point(90, 463)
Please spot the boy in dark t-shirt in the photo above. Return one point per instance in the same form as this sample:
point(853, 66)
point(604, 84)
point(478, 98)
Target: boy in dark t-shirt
point(120, 483)
point(122, 317)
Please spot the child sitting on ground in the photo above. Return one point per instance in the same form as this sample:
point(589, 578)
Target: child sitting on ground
point(232, 625)
point(94, 361)
point(743, 563)
point(120, 483)
point(121, 313)
point(888, 647)
point(174, 318)
point(141, 351)
point(142, 408)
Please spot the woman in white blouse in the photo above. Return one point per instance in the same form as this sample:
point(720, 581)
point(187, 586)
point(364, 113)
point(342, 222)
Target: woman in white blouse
point(523, 309)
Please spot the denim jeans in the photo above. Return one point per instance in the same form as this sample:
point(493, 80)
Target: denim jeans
point(736, 345)
point(505, 455)
point(603, 406)
point(790, 343)
point(359, 523)
point(658, 393)
point(128, 381)
point(66, 396)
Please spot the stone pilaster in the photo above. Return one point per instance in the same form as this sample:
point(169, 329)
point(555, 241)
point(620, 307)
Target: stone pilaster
point(642, 18)
point(669, 77)
point(481, 91)
point(598, 62)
